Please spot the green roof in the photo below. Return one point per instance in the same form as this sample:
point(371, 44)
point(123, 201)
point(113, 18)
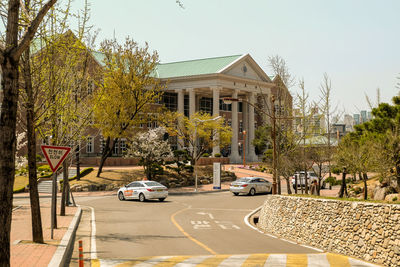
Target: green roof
point(194, 67)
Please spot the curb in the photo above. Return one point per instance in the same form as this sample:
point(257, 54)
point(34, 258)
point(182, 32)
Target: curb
point(66, 245)
point(196, 193)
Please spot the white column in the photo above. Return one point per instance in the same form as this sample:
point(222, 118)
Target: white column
point(181, 101)
point(192, 102)
point(245, 123)
point(234, 157)
point(252, 154)
point(215, 92)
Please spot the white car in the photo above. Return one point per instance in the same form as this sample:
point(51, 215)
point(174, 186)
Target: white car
point(311, 177)
point(143, 190)
point(250, 186)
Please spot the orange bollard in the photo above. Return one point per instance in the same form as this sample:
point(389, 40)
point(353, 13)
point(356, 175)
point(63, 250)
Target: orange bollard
point(80, 254)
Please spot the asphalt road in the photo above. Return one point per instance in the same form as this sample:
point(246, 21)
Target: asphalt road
point(203, 224)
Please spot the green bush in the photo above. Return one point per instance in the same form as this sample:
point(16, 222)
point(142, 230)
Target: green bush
point(394, 199)
point(336, 170)
point(44, 168)
point(38, 158)
point(84, 172)
point(205, 155)
point(217, 155)
point(189, 168)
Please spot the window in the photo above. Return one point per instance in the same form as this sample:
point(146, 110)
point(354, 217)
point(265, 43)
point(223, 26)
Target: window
point(230, 123)
point(240, 106)
point(115, 150)
point(206, 105)
point(224, 107)
point(89, 145)
point(186, 105)
point(240, 126)
point(123, 145)
point(170, 101)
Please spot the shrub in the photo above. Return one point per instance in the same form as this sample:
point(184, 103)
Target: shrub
point(336, 170)
point(44, 168)
point(217, 155)
point(205, 155)
point(394, 199)
point(38, 158)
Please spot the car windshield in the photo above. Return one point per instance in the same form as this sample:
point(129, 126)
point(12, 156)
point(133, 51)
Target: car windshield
point(153, 184)
point(243, 180)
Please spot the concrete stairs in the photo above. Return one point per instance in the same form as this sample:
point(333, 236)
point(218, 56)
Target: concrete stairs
point(46, 185)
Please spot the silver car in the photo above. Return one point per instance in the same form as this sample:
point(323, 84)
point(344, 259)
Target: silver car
point(143, 190)
point(250, 186)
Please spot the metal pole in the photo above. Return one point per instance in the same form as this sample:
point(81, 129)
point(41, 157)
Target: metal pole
point(195, 156)
point(244, 148)
point(53, 203)
point(274, 146)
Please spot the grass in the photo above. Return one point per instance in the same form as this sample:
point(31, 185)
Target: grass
point(20, 181)
point(117, 177)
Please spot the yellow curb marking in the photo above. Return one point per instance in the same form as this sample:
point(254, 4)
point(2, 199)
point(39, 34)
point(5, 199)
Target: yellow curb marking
point(133, 262)
point(189, 236)
point(213, 261)
point(296, 260)
point(172, 261)
point(95, 263)
point(336, 260)
point(256, 260)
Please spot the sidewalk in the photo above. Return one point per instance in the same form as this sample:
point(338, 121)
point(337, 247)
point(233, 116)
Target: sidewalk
point(26, 253)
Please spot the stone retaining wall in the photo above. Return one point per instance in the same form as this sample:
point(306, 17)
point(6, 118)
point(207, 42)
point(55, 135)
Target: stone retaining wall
point(364, 230)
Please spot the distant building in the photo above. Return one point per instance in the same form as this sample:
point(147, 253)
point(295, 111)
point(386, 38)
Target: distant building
point(314, 124)
point(363, 116)
point(357, 119)
point(349, 122)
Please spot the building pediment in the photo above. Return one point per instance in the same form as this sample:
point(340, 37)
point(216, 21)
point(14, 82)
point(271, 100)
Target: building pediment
point(245, 67)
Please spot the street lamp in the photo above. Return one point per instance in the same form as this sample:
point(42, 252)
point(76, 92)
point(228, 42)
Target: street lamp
point(229, 100)
point(197, 122)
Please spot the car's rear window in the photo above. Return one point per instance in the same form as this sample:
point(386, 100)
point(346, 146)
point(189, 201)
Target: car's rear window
point(153, 184)
point(244, 180)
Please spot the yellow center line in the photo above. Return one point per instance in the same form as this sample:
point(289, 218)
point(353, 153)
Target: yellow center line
point(189, 236)
point(296, 260)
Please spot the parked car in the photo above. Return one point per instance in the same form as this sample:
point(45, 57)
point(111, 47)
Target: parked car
point(301, 181)
point(143, 190)
point(250, 186)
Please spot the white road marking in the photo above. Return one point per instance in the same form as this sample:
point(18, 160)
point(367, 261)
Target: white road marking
point(318, 260)
point(152, 261)
point(206, 213)
point(201, 225)
point(193, 261)
point(276, 260)
point(109, 263)
point(93, 248)
point(235, 260)
point(359, 263)
point(221, 209)
point(226, 225)
point(317, 249)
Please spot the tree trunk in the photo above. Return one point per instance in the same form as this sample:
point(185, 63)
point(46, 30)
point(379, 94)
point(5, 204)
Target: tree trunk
point(65, 187)
point(365, 178)
point(78, 163)
point(398, 177)
point(295, 184)
point(37, 230)
point(289, 190)
point(107, 151)
point(279, 182)
point(8, 118)
point(343, 187)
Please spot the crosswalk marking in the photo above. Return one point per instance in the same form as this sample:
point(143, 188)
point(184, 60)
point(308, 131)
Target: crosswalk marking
point(213, 261)
point(248, 260)
point(233, 260)
point(192, 261)
point(276, 260)
point(338, 260)
point(318, 260)
point(256, 260)
point(295, 260)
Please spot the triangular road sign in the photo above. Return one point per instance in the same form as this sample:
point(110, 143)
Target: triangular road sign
point(55, 155)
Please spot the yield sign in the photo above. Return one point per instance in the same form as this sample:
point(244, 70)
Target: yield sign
point(55, 155)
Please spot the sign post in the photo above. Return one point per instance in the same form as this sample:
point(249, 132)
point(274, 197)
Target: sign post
point(54, 155)
point(217, 175)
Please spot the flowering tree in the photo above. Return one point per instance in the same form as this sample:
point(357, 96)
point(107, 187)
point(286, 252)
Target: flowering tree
point(152, 150)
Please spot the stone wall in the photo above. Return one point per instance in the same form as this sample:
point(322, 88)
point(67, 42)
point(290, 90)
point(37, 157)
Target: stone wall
point(364, 230)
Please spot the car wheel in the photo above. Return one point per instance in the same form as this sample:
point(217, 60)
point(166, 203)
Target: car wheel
point(142, 198)
point(252, 192)
point(236, 194)
point(162, 199)
point(270, 191)
point(121, 196)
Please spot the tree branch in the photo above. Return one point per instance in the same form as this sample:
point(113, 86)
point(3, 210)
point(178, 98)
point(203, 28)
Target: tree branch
point(30, 33)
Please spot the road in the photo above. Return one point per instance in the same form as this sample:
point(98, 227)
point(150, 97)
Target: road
point(203, 224)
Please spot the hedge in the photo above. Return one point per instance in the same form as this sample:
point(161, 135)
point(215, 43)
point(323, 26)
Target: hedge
point(83, 173)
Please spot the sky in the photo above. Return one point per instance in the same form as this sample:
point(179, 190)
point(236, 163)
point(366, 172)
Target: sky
point(356, 42)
